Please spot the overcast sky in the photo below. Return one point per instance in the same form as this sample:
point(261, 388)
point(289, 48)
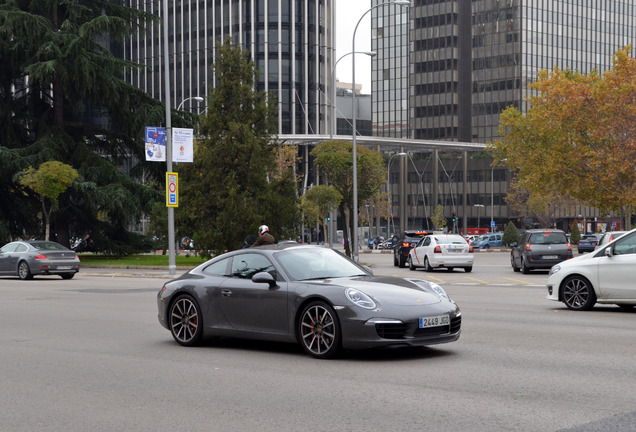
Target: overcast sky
point(348, 12)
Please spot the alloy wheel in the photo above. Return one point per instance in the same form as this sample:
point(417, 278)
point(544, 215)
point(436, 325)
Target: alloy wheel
point(578, 294)
point(319, 330)
point(185, 321)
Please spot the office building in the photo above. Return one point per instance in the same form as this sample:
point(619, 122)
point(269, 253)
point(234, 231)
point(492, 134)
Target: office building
point(290, 42)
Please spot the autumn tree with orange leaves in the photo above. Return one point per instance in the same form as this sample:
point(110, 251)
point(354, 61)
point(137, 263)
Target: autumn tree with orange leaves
point(578, 138)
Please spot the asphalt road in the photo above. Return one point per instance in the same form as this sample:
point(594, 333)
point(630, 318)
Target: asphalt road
point(89, 354)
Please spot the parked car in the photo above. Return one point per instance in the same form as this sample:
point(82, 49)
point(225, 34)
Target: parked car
point(26, 258)
point(604, 276)
point(540, 249)
point(442, 251)
point(608, 237)
point(587, 243)
point(486, 241)
point(407, 240)
point(305, 294)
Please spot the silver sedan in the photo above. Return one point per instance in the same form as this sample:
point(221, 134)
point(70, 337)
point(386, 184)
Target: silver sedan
point(26, 258)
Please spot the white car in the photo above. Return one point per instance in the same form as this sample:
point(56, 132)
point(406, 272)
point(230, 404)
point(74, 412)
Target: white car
point(442, 250)
point(603, 276)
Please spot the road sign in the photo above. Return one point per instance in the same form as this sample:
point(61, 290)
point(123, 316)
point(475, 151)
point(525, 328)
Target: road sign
point(492, 224)
point(172, 189)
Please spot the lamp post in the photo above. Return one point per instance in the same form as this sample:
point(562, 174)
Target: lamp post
point(388, 191)
point(196, 98)
point(492, 194)
point(479, 206)
point(332, 108)
point(354, 113)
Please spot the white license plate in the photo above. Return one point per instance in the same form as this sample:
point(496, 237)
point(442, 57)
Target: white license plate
point(436, 321)
point(550, 256)
point(64, 267)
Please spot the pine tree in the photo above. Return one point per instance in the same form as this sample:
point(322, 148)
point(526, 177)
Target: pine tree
point(234, 184)
point(511, 234)
point(64, 100)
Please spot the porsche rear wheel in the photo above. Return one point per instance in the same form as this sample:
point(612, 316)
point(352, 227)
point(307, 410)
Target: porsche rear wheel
point(578, 293)
point(319, 330)
point(185, 321)
point(24, 272)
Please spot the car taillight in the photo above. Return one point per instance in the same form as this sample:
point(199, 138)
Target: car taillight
point(569, 247)
point(470, 249)
point(41, 257)
point(437, 249)
point(528, 248)
point(405, 244)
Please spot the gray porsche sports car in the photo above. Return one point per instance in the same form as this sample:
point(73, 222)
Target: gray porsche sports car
point(26, 258)
point(307, 294)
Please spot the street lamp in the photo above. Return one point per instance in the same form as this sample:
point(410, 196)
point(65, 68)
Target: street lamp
point(333, 125)
point(480, 206)
point(353, 101)
point(388, 192)
point(196, 98)
point(492, 195)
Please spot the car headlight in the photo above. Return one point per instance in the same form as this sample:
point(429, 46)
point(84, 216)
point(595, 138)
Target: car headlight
point(439, 290)
point(554, 269)
point(359, 298)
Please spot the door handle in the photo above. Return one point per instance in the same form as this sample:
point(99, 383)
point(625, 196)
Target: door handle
point(226, 293)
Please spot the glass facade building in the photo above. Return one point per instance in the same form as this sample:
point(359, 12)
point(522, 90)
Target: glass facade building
point(470, 60)
point(290, 41)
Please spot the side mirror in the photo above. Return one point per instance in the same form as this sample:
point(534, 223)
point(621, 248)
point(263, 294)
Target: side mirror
point(367, 268)
point(513, 244)
point(264, 277)
point(609, 252)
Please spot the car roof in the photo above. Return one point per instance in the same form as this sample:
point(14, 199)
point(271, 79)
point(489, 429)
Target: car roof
point(541, 230)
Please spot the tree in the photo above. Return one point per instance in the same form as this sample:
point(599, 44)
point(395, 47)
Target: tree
point(578, 139)
point(318, 202)
point(335, 161)
point(510, 235)
point(240, 178)
point(575, 233)
point(64, 100)
point(48, 182)
point(438, 219)
point(544, 206)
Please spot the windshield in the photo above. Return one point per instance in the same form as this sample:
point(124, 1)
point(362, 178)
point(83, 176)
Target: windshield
point(46, 245)
point(317, 263)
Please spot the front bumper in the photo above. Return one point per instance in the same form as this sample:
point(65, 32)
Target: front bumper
point(362, 334)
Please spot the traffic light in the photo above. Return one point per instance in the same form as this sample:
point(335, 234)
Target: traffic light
point(454, 219)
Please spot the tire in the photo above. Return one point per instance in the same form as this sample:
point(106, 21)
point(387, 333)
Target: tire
point(468, 269)
point(487, 246)
point(578, 293)
point(524, 268)
point(402, 262)
point(319, 330)
point(67, 275)
point(395, 261)
point(24, 272)
point(427, 265)
point(411, 266)
point(185, 321)
point(512, 263)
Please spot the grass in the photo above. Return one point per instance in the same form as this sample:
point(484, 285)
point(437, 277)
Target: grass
point(181, 260)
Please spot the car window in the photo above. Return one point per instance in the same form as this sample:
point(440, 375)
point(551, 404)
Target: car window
point(246, 265)
point(219, 268)
point(449, 240)
point(427, 241)
point(44, 245)
point(548, 238)
point(21, 248)
point(625, 246)
point(9, 248)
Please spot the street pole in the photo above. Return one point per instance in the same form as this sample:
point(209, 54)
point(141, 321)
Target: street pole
point(354, 115)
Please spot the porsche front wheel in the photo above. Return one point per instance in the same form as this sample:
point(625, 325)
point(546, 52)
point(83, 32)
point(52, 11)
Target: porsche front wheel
point(319, 330)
